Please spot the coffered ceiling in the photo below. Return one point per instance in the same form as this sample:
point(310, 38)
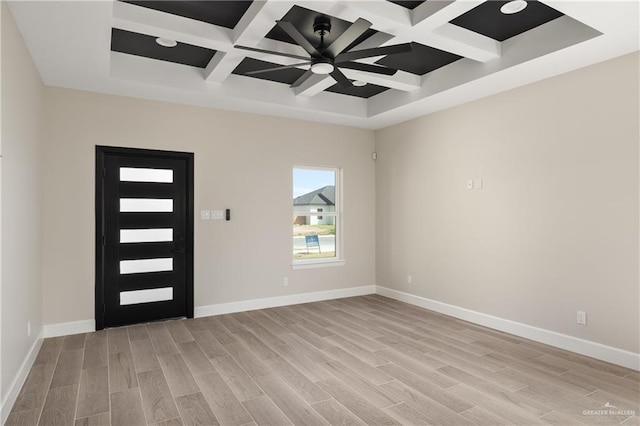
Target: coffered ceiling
point(460, 51)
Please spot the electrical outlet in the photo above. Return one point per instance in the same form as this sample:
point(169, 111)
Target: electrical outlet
point(285, 281)
point(205, 215)
point(581, 317)
point(409, 279)
point(477, 183)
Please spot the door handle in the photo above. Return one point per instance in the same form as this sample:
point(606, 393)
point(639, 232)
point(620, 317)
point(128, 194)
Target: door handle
point(178, 243)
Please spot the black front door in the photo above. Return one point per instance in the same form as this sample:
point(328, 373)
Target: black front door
point(144, 235)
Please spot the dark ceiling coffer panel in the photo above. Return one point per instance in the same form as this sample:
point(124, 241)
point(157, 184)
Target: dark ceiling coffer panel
point(421, 60)
point(222, 13)
point(146, 46)
point(364, 92)
point(486, 19)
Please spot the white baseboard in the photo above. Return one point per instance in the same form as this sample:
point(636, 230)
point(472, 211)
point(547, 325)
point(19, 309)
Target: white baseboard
point(68, 328)
point(87, 326)
point(273, 302)
point(20, 378)
point(559, 340)
point(563, 341)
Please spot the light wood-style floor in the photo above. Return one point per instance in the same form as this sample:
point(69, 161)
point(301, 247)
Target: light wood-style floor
point(362, 360)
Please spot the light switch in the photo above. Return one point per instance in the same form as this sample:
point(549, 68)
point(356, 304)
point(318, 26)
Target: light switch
point(205, 215)
point(217, 214)
point(470, 184)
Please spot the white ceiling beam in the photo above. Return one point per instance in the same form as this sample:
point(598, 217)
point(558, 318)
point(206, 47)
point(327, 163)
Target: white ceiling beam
point(211, 66)
point(258, 20)
point(432, 14)
point(251, 17)
point(384, 15)
point(428, 9)
point(254, 25)
point(221, 65)
point(431, 24)
point(465, 43)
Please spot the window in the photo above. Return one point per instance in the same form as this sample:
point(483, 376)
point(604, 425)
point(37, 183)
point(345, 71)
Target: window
point(316, 216)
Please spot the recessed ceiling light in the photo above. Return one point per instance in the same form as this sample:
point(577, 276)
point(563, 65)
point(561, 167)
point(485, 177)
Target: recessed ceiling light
point(359, 83)
point(512, 7)
point(166, 42)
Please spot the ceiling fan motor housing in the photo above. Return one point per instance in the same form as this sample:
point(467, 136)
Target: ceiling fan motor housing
point(322, 25)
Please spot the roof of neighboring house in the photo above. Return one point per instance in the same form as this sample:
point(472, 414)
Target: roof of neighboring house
point(323, 196)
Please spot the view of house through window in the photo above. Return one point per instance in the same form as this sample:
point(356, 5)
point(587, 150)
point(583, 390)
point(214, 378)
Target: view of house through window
point(315, 213)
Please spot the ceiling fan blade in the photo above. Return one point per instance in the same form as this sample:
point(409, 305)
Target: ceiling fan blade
point(340, 78)
point(271, 52)
point(349, 36)
point(376, 69)
point(281, 67)
point(304, 77)
point(375, 51)
point(298, 37)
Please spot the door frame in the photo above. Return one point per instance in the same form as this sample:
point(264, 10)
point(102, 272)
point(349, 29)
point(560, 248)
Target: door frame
point(101, 153)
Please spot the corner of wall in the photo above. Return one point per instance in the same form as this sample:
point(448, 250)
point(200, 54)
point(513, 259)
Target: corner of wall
point(21, 207)
point(19, 379)
point(563, 341)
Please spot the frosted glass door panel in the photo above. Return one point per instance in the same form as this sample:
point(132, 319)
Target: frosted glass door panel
point(145, 205)
point(134, 174)
point(139, 266)
point(145, 296)
point(146, 235)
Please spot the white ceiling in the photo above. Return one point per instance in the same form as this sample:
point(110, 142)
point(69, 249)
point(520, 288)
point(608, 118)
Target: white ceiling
point(70, 44)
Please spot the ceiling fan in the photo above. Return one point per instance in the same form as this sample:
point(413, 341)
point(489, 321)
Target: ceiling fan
point(329, 59)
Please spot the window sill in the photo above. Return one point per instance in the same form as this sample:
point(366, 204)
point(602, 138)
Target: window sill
point(318, 264)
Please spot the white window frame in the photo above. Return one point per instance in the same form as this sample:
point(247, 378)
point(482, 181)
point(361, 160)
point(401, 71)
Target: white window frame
point(338, 260)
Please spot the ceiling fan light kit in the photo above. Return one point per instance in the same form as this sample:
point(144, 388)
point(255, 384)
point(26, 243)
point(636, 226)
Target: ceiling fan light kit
point(322, 66)
point(328, 60)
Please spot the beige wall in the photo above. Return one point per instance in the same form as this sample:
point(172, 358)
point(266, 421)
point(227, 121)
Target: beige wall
point(555, 227)
point(21, 190)
point(242, 162)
